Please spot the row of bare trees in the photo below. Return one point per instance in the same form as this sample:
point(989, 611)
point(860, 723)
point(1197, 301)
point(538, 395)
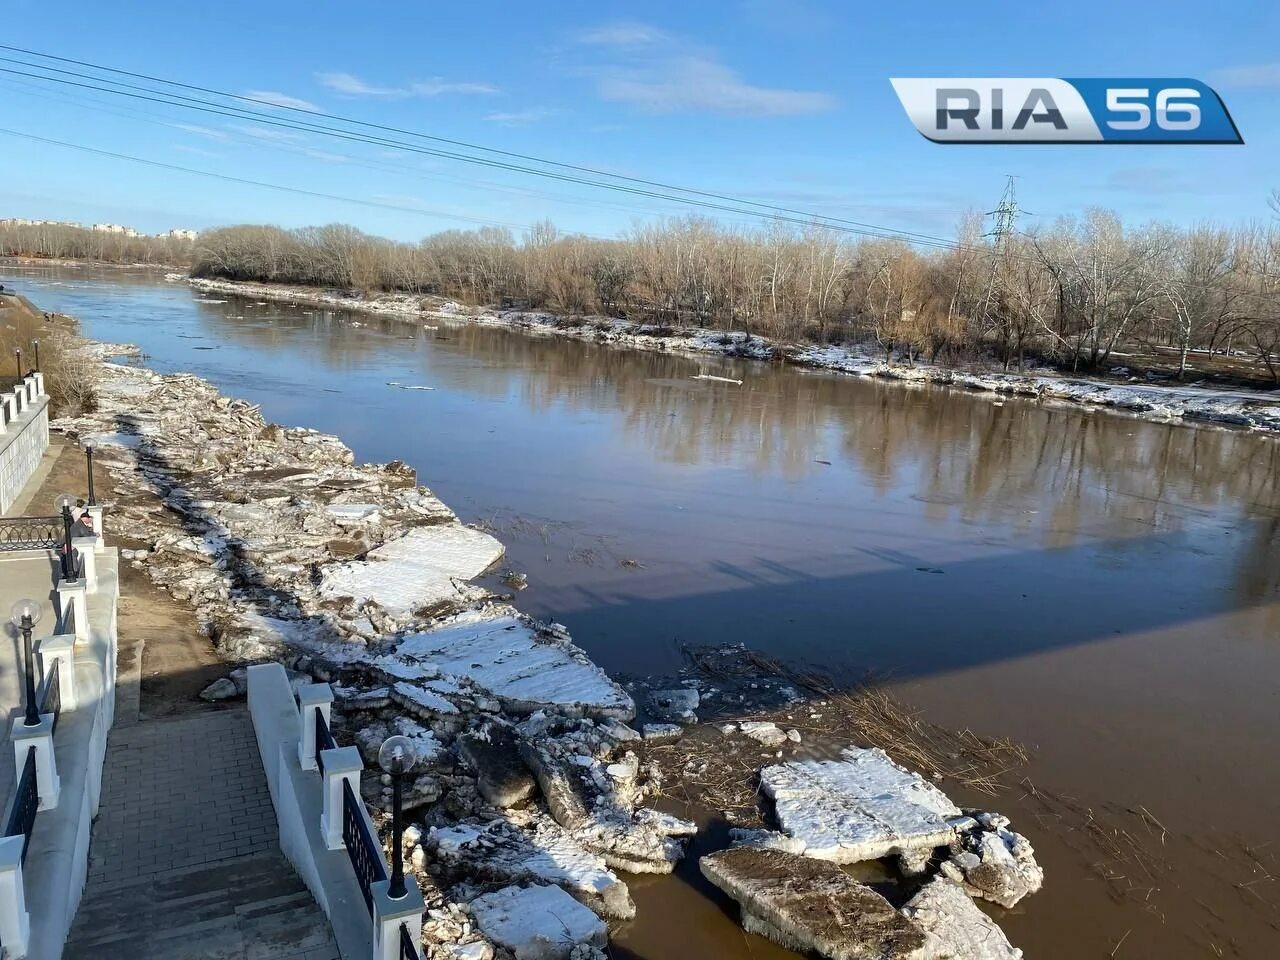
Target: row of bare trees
point(64, 241)
point(1079, 293)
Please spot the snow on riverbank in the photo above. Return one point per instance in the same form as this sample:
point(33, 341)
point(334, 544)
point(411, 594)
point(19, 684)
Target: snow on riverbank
point(1241, 408)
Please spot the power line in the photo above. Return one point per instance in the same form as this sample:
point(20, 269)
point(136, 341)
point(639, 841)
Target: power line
point(784, 214)
point(258, 183)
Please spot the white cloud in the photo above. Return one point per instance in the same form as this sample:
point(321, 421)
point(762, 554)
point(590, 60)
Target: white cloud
point(350, 85)
point(200, 131)
point(662, 73)
point(325, 156)
point(269, 133)
point(198, 151)
point(1255, 75)
point(622, 35)
point(691, 83)
point(519, 118)
point(277, 99)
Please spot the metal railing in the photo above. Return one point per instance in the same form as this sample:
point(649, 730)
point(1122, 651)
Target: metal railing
point(407, 950)
point(324, 739)
point(362, 846)
point(26, 801)
point(50, 698)
point(30, 533)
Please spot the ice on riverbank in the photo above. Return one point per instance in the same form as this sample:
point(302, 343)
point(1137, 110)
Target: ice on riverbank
point(538, 922)
point(862, 807)
point(526, 668)
point(425, 567)
point(965, 932)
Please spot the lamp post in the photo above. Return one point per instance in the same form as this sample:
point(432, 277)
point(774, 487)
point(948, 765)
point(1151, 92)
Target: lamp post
point(17, 360)
point(396, 756)
point(88, 456)
point(66, 502)
point(35, 345)
point(24, 615)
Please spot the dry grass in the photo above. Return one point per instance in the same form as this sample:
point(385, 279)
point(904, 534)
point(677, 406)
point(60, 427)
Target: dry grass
point(69, 374)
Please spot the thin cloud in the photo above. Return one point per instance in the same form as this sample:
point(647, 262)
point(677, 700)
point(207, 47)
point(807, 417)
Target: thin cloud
point(349, 85)
point(696, 84)
point(269, 133)
point(623, 35)
point(661, 73)
point(197, 151)
point(519, 118)
point(277, 99)
point(200, 131)
point(1255, 75)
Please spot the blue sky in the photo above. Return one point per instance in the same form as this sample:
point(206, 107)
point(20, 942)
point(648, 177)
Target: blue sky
point(783, 102)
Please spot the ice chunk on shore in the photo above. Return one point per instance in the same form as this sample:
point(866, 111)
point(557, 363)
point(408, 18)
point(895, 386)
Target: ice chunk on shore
point(416, 570)
point(863, 807)
point(531, 847)
point(965, 932)
point(538, 923)
point(505, 655)
point(809, 906)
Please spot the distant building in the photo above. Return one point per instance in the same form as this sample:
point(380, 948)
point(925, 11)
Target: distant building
point(177, 235)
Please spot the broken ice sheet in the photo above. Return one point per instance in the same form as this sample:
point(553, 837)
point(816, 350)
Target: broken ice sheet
point(863, 807)
point(416, 570)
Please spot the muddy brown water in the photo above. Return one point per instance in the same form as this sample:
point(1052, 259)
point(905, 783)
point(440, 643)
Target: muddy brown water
point(1100, 588)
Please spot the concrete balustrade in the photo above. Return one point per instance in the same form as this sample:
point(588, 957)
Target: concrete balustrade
point(15, 921)
point(389, 914)
point(87, 548)
point(40, 736)
point(99, 531)
point(341, 765)
point(60, 649)
point(73, 595)
point(311, 697)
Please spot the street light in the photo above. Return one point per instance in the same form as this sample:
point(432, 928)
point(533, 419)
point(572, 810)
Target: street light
point(36, 345)
point(88, 455)
point(396, 756)
point(17, 360)
point(24, 615)
point(65, 503)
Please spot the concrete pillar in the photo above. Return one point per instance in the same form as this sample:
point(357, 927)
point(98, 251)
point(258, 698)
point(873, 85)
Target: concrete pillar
point(39, 736)
point(29, 385)
point(39, 379)
point(311, 697)
point(99, 531)
point(341, 765)
point(87, 547)
point(72, 594)
point(15, 922)
point(19, 396)
point(6, 414)
point(60, 649)
point(389, 914)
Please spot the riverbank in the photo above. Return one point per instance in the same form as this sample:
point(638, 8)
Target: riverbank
point(1199, 405)
point(530, 773)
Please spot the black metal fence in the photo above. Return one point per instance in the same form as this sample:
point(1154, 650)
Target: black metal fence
point(362, 846)
point(407, 950)
point(50, 698)
point(30, 533)
point(26, 801)
point(324, 739)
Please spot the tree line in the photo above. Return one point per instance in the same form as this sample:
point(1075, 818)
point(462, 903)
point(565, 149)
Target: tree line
point(64, 241)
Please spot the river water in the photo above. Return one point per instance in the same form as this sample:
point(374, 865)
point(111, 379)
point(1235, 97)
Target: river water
point(1100, 588)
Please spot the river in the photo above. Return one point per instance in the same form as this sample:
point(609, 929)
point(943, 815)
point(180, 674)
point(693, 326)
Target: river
point(1100, 588)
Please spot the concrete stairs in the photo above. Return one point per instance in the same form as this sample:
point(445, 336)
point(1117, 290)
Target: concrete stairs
point(249, 908)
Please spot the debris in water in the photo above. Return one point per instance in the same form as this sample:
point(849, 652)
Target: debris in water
point(708, 376)
point(407, 386)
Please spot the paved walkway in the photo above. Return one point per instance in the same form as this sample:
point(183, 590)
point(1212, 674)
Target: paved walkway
point(184, 861)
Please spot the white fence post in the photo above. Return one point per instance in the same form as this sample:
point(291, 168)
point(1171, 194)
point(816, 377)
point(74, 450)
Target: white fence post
point(310, 698)
point(388, 914)
point(87, 548)
point(72, 594)
point(60, 649)
point(15, 922)
point(39, 736)
point(29, 385)
point(341, 765)
point(38, 377)
point(95, 517)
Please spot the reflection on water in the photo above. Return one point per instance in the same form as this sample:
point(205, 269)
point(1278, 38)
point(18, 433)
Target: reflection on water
point(1086, 582)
